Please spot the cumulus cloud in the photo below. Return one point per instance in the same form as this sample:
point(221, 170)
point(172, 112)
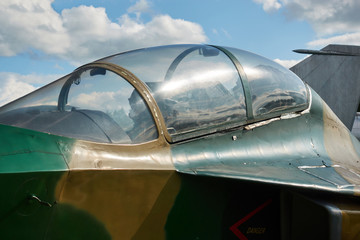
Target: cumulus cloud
point(79, 35)
point(31, 24)
point(13, 85)
point(287, 63)
point(142, 6)
point(84, 33)
point(333, 21)
point(12, 89)
point(348, 39)
point(327, 17)
point(269, 5)
point(107, 100)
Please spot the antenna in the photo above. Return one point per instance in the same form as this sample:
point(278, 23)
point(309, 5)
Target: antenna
point(324, 52)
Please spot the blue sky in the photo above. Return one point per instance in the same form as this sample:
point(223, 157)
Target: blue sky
point(42, 40)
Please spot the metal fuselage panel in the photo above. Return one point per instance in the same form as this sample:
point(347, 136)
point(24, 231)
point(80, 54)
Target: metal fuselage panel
point(313, 150)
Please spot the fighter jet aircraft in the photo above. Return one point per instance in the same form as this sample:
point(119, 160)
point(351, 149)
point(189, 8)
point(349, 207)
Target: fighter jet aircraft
point(177, 142)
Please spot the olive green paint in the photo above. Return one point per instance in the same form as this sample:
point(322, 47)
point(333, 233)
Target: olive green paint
point(206, 208)
point(70, 223)
point(31, 164)
point(23, 150)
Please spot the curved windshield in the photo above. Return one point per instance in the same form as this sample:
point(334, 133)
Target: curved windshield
point(94, 104)
point(198, 89)
point(273, 88)
point(195, 86)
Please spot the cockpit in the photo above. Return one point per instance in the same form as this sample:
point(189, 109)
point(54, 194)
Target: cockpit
point(181, 91)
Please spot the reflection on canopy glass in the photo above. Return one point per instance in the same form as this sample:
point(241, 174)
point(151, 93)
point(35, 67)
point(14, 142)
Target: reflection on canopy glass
point(92, 105)
point(195, 87)
point(272, 87)
point(103, 95)
point(199, 89)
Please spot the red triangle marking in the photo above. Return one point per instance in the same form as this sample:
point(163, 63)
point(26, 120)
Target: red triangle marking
point(234, 228)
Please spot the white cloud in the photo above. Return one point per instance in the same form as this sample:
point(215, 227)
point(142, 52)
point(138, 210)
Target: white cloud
point(326, 17)
point(33, 79)
point(142, 6)
point(31, 24)
point(13, 85)
point(85, 33)
point(79, 35)
point(287, 63)
point(333, 21)
point(13, 89)
point(269, 5)
point(348, 39)
point(96, 100)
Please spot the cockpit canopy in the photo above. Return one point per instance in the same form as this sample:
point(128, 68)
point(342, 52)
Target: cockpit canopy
point(199, 89)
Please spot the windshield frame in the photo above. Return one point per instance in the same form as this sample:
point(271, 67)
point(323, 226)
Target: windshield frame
point(149, 99)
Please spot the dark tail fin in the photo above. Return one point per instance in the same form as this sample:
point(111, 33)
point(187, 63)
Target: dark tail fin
point(334, 73)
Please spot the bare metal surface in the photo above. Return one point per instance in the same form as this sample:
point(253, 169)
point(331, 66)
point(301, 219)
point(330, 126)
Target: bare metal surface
point(151, 155)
